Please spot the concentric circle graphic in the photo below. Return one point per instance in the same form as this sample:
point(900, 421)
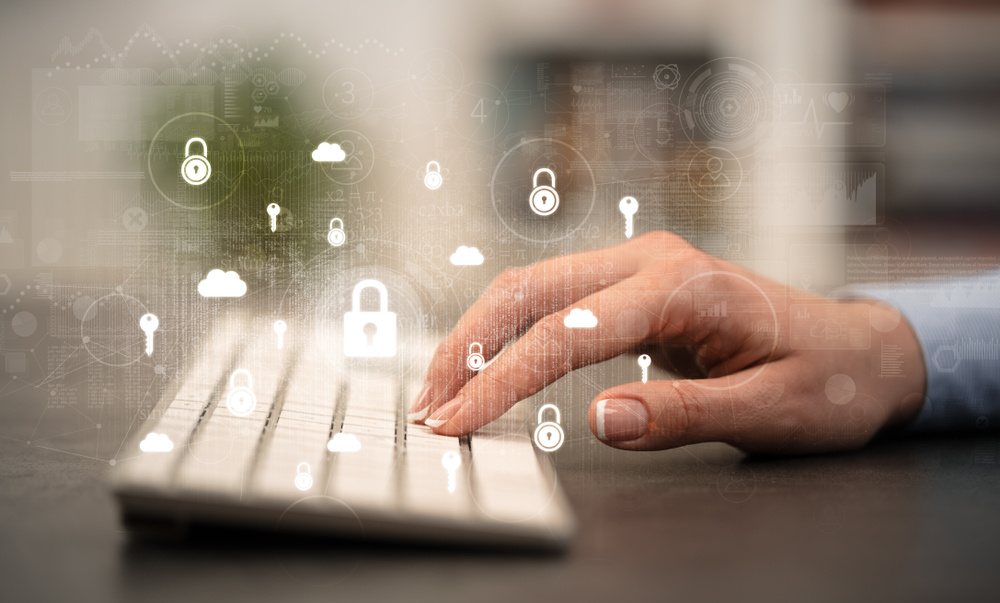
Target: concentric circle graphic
point(728, 102)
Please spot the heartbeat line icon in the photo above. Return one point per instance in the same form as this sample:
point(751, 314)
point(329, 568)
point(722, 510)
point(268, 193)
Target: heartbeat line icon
point(817, 126)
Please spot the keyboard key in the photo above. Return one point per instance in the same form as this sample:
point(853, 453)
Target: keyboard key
point(507, 480)
point(298, 442)
point(225, 444)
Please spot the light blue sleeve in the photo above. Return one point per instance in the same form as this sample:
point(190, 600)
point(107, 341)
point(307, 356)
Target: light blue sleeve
point(958, 325)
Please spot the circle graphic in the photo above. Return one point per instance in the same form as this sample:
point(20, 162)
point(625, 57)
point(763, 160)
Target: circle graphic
point(514, 182)
point(655, 130)
point(715, 174)
point(358, 160)
point(316, 563)
point(53, 106)
point(110, 330)
point(712, 303)
point(169, 164)
point(728, 102)
point(840, 389)
point(348, 93)
point(479, 112)
point(736, 483)
point(24, 324)
point(135, 219)
point(49, 250)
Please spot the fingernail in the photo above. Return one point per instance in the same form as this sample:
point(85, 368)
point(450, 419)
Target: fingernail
point(443, 414)
point(416, 417)
point(422, 403)
point(620, 419)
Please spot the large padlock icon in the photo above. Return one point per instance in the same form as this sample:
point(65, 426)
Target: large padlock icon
point(544, 199)
point(432, 179)
point(241, 400)
point(549, 435)
point(370, 334)
point(196, 169)
point(336, 236)
point(303, 479)
point(475, 361)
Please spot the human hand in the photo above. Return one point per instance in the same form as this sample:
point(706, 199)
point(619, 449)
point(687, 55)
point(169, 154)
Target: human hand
point(754, 376)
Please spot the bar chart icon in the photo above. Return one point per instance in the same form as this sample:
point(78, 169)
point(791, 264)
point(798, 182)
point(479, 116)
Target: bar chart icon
point(714, 311)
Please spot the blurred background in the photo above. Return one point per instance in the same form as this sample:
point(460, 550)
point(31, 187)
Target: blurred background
point(820, 142)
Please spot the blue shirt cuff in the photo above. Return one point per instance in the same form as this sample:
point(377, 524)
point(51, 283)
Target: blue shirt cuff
point(957, 323)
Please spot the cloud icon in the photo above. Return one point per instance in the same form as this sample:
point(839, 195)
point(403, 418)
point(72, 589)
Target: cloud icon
point(222, 284)
point(156, 442)
point(467, 256)
point(827, 328)
point(580, 319)
point(343, 442)
point(331, 153)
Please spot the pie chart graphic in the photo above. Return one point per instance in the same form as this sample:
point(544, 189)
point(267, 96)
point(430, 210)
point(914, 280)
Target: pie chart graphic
point(840, 389)
point(24, 324)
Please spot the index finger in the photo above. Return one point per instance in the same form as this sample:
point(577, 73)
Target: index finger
point(573, 337)
point(514, 301)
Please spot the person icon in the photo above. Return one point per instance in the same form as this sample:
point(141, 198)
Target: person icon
point(52, 107)
point(715, 177)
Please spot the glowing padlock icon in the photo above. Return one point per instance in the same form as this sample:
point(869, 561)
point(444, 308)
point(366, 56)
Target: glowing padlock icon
point(370, 334)
point(303, 479)
point(241, 400)
point(336, 236)
point(196, 169)
point(475, 361)
point(544, 200)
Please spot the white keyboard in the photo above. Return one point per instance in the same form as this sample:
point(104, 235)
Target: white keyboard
point(310, 447)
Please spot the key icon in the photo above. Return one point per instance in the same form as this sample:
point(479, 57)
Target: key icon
point(273, 210)
point(644, 362)
point(280, 327)
point(628, 206)
point(451, 461)
point(148, 323)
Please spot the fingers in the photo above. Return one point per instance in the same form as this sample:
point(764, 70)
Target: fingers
point(514, 301)
point(666, 414)
point(549, 350)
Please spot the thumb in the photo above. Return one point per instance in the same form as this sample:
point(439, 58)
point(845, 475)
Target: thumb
point(666, 414)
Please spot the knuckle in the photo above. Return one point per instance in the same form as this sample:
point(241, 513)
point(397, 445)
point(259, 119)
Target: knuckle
point(548, 330)
point(509, 279)
point(681, 413)
point(663, 241)
point(547, 342)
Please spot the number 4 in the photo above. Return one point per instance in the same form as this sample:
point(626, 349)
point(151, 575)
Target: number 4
point(480, 110)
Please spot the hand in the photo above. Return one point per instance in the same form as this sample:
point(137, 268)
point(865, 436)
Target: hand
point(756, 376)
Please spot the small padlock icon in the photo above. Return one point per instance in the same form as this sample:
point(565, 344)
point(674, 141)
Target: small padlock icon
point(544, 199)
point(196, 169)
point(241, 400)
point(370, 334)
point(303, 479)
point(336, 236)
point(475, 361)
point(549, 435)
point(432, 179)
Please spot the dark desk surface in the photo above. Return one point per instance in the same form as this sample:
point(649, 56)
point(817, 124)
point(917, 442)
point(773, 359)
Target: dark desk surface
point(915, 519)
